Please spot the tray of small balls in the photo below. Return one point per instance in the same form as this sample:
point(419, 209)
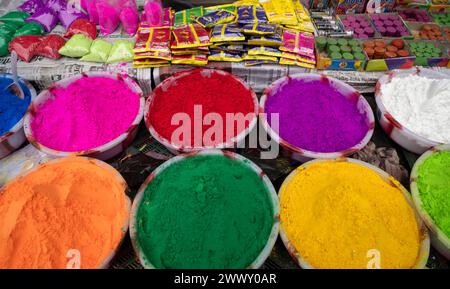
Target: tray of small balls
point(427, 31)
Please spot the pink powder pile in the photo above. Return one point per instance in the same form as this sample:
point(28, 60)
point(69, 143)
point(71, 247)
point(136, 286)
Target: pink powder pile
point(86, 114)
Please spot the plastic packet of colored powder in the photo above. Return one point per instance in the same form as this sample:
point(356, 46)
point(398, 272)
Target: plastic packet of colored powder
point(15, 17)
point(306, 59)
point(50, 46)
point(77, 46)
point(280, 11)
point(224, 56)
point(193, 50)
point(31, 28)
point(266, 51)
point(31, 6)
point(192, 35)
point(224, 7)
point(153, 55)
point(25, 46)
point(167, 19)
point(121, 51)
point(159, 39)
point(82, 26)
point(306, 44)
point(199, 59)
point(232, 48)
point(46, 17)
point(188, 16)
point(215, 18)
point(247, 14)
point(148, 63)
point(98, 52)
point(68, 16)
point(258, 62)
point(259, 57)
point(275, 39)
point(259, 28)
point(226, 32)
point(129, 16)
point(108, 16)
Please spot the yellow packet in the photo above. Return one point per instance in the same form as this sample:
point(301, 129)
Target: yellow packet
point(260, 57)
point(224, 56)
point(227, 7)
point(190, 59)
point(287, 61)
point(280, 11)
point(148, 63)
point(265, 51)
point(188, 36)
point(226, 33)
point(153, 55)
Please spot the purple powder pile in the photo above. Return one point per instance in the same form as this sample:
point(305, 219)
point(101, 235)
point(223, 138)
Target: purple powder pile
point(316, 117)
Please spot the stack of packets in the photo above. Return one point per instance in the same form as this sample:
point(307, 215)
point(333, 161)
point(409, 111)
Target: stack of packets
point(273, 31)
point(152, 47)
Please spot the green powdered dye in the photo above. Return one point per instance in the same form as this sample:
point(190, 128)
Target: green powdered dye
point(434, 189)
point(206, 211)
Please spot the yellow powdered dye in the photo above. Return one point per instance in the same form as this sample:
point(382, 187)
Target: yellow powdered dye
point(334, 212)
point(63, 214)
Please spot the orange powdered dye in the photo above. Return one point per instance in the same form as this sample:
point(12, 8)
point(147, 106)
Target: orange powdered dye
point(69, 204)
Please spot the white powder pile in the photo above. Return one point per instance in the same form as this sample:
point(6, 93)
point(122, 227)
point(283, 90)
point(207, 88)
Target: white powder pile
point(420, 104)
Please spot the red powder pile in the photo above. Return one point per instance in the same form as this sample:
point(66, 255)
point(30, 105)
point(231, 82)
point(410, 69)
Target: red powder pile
point(216, 92)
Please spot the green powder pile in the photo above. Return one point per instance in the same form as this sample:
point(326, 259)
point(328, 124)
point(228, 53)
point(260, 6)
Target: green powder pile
point(206, 211)
point(434, 189)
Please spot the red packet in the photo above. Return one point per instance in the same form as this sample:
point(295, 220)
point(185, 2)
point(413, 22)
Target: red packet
point(191, 35)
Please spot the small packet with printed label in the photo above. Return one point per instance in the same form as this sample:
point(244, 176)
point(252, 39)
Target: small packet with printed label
point(153, 39)
point(266, 51)
point(259, 57)
point(148, 63)
point(200, 59)
point(259, 62)
point(259, 28)
point(298, 42)
point(226, 7)
point(248, 14)
point(226, 32)
point(188, 16)
point(224, 56)
point(193, 50)
point(153, 55)
point(192, 35)
point(215, 18)
point(232, 48)
point(267, 40)
point(280, 11)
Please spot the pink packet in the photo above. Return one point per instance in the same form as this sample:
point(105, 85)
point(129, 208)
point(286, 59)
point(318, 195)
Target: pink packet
point(153, 12)
point(129, 16)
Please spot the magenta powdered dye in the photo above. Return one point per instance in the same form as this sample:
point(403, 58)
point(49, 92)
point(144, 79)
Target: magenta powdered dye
point(314, 116)
point(86, 114)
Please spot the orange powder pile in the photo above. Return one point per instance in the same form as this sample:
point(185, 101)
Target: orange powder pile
point(69, 204)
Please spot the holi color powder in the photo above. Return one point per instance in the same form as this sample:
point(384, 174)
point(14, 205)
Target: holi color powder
point(314, 116)
point(434, 189)
point(86, 114)
point(334, 212)
point(216, 92)
point(71, 203)
point(12, 108)
point(205, 211)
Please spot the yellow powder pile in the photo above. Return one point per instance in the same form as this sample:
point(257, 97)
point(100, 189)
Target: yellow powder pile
point(335, 212)
point(65, 213)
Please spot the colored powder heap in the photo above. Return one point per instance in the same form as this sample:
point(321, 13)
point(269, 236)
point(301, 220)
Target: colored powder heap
point(420, 104)
point(215, 92)
point(333, 217)
point(71, 204)
point(434, 189)
point(12, 108)
point(315, 116)
point(86, 114)
point(204, 212)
